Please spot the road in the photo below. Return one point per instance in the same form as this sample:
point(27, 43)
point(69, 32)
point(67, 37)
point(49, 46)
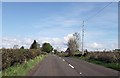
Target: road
point(66, 66)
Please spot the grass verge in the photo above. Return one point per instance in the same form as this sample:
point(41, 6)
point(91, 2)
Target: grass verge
point(114, 66)
point(22, 69)
point(0, 74)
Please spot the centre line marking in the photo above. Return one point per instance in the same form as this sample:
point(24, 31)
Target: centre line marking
point(71, 66)
point(63, 60)
point(80, 72)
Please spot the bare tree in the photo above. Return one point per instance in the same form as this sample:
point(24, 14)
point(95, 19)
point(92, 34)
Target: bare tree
point(77, 40)
point(15, 46)
point(73, 43)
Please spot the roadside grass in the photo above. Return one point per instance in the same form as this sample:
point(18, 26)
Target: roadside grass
point(63, 54)
point(0, 74)
point(22, 69)
point(114, 66)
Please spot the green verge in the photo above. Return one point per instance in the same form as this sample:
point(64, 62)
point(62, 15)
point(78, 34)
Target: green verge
point(0, 74)
point(22, 69)
point(114, 66)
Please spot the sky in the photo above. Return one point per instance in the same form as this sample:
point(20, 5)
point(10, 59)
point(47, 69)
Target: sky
point(55, 22)
point(59, 0)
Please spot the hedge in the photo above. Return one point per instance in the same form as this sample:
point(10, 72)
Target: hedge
point(11, 57)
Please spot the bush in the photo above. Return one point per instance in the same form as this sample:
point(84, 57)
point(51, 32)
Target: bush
point(11, 57)
point(107, 57)
point(46, 47)
point(78, 55)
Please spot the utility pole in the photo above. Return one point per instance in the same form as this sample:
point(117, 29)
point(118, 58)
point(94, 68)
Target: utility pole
point(83, 38)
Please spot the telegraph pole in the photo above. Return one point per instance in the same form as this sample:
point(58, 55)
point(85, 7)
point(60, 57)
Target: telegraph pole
point(83, 38)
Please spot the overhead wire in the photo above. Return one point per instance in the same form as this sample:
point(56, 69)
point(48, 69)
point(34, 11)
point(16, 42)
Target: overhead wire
point(91, 17)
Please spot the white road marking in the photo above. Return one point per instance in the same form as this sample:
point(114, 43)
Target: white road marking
point(71, 66)
point(63, 60)
point(59, 57)
point(80, 72)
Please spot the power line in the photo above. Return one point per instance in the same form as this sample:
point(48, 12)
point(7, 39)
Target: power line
point(98, 11)
point(83, 29)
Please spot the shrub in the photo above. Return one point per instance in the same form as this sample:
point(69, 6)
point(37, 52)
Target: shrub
point(46, 47)
point(107, 57)
point(11, 57)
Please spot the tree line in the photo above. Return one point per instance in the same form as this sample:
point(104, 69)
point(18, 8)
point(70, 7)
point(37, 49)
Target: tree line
point(46, 47)
point(73, 45)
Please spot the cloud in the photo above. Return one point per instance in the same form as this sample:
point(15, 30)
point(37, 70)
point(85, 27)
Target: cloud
point(58, 43)
point(26, 42)
point(10, 42)
point(100, 46)
point(55, 21)
point(66, 38)
point(102, 24)
point(96, 45)
point(102, 27)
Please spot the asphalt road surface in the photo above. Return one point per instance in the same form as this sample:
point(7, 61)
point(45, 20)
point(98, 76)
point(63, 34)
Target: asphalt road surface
point(66, 66)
